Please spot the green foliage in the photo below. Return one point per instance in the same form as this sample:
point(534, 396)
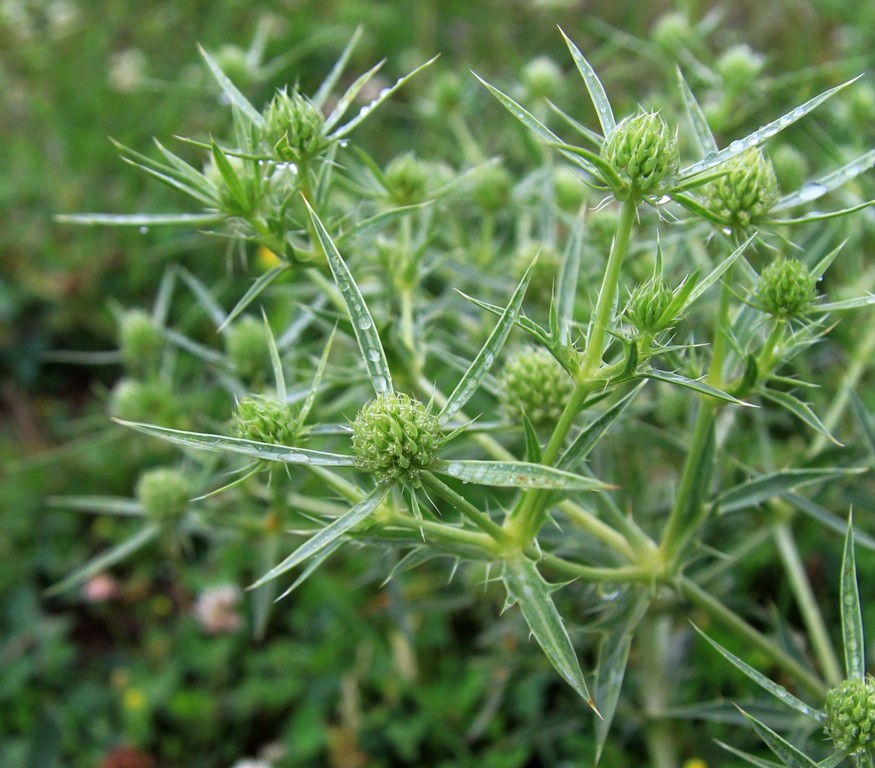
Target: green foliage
point(336, 255)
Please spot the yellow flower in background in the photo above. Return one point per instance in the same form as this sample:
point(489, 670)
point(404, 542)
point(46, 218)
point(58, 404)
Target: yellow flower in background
point(134, 699)
point(265, 258)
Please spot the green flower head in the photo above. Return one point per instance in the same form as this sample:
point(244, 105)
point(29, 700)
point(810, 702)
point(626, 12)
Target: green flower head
point(786, 288)
point(533, 383)
point(266, 420)
point(164, 494)
point(394, 437)
point(748, 191)
point(647, 303)
point(140, 340)
point(294, 127)
point(643, 152)
point(850, 715)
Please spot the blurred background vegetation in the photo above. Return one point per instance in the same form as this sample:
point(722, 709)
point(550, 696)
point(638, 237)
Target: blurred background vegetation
point(348, 673)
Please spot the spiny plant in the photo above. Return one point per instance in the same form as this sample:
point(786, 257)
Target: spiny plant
point(408, 426)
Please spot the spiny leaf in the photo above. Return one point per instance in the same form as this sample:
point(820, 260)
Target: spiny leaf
point(260, 285)
point(105, 560)
point(514, 474)
point(759, 136)
point(600, 101)
point(141, 219)
point(697, 386)
point(776, 690)
point(230, 90)
point(701, 129)
point(852, 616)
point(275, 361)
point(815, 188)
point(481, 364)
point(527, 587)
point(312, 566)
point(327, 536)
point(590, 436)
point(800, 410)
point(333, 77)
point(349, 96)
point(366, 335)
point(252, 448)
point(567, 281)
point(765, 487)
point(783, 749)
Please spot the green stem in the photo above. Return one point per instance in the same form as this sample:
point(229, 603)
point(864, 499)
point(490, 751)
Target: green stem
point(808, 607)
point(679, 528)
point(654, 642)
point(719, 612)
point(592, 356)
point(721, 341)
point(481, 520)
point(767, 353)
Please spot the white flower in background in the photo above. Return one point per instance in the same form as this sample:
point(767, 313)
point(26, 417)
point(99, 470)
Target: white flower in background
point(216, 609)
point(249, 762)
point(127, 70)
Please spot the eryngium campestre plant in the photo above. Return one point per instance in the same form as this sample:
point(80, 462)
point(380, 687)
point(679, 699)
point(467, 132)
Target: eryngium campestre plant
point(643, 151)
point(786, 288)
point(850, 715)
point(534, 384)
point(748, 191)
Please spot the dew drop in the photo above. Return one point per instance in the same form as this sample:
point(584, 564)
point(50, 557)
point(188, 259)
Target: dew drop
point(798, 112)
point(143, 230)
point(811, 190)
point(709, 156)
point(380, 384)
point(344, 143)
point(365, 322)
point(726, 231)
point(385, 92)
point(736, 146)
point(488, 358)
point(297, 458)
point(663, 200)
point(374, 355)
point(455, 469)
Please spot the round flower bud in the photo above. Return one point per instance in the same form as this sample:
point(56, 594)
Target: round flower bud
point(541, 78)
point(406, 179)
point(791, 166)
point(266, 420)
point(492, 187)
point(569, 188)
point(673, 32)
point(786, 288)
point(850, 715)
point(234, 62)
point(294, 127)
point(140, 340)
point(647, 303)
point(533, 382)
point(739, 66)
point(153, 401)
point(164, 493)
point(643, 152)
point(446, 93)
point(246, 345)
point(747, 191)
point(394, 437)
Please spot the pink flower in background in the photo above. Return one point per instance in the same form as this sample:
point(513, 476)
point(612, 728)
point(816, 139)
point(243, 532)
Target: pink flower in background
point(100, 588)
point(216, 609)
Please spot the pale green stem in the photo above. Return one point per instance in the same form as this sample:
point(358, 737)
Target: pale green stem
point(592, 356)
point(677, 530)
point(720, 343)
point(860, 363)
point(465, 507)
point(719, 612)
point(653, 642)
point(767, 353)
point(808, 607)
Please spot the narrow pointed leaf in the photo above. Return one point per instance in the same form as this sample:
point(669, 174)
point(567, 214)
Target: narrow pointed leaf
point(275, 362)
point(259, 286)
point(333, 77)
point(328, 535)
point(824, 264)
point(845, 304)
point(600, 101)
point(819, 216)
point(765, 487)
point(613, 658)
point(317, 380)
point(99, 505)
point(310, 568)
point(760, 135)
point(366, 111)
point(141, 219)
point(697, 386)
point(783, 749)
point(590, 436)
point(174, 183)
point(366, 335)
point(815, 188)
point(344, 102)
point(230, 90)
point(776, 690)
point(752, 759)
point(251, 448)
point(106, 560)
point(205, 297)
point(514, 474)
point(800, 410)
point(229, 176)
point(478, 369)
point(701, 129)
point(378, 220)
point(852, 616)
point(533, 444)
point(830, 521)
point(529, 326)
point(186, 173)
point(719, 271)
point(568, 278)
point(526, 587)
